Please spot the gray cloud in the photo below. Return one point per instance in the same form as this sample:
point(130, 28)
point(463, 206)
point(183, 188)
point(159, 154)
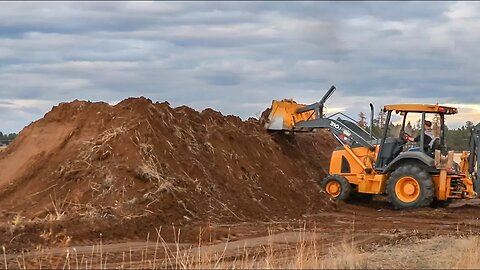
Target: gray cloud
point(235, 56)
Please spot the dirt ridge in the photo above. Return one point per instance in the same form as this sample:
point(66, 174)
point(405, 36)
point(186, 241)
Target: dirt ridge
point(142, 158)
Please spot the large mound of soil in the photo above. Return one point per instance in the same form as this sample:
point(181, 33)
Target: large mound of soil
point(139, 158)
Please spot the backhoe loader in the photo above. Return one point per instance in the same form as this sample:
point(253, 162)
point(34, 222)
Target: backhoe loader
point(364, 165)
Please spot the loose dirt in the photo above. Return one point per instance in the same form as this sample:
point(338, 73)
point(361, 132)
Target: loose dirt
point(87, 167)
point(90, 171)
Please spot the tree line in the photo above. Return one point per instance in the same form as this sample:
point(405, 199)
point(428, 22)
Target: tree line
point(455, 139)
point(7, 138)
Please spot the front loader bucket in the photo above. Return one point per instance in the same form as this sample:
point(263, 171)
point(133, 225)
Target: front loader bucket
point(283, 115)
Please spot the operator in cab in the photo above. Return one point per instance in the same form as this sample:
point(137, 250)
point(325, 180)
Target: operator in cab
point(428, 135)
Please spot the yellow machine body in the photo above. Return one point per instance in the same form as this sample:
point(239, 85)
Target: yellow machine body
point(357, 163)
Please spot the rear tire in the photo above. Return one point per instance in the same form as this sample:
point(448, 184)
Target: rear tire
point(410, 186)
point(337, 187)
point(476, 184)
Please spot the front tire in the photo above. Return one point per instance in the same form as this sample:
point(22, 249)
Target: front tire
point(337, 187)
point(410, 186)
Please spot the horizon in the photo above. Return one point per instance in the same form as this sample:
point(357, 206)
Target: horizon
point(236, 57)
point(411, 119)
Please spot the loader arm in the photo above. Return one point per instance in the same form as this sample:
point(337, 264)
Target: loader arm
point(342, 132)
point(287, 115)
point(318, 106)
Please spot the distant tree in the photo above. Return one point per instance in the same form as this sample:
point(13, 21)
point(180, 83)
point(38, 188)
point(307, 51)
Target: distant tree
point(394, 130)
point(458, 139)
point(436, 125)
point(376, 129)
point(12, 136)
point(382, 115)
point(418, 125)
point(469, 125)
point(362, 122)
point(7, 138)
point(409, 128)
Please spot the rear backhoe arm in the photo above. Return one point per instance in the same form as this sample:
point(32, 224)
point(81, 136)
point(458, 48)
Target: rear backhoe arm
point(475, 156)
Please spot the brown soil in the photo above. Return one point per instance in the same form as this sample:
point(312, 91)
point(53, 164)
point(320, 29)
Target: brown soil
point(90, 167)
point(366, 227)
point(91, 170)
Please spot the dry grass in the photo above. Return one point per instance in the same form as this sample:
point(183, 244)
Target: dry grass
point(99, 148)
point(445, 252)
point(454, 253)
point(150, 169)
point(465, 251)
point(59, 208)
point(17, 222)
point(441, 252)
point(306, 253)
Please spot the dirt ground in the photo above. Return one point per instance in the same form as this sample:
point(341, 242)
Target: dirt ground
point(92, 179)
point(369, 227)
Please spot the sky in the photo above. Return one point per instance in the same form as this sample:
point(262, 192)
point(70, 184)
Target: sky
point(236, 57)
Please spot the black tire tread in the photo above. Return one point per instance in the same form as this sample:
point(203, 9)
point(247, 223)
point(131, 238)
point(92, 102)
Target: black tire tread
point(427, 189)
point(346, 189)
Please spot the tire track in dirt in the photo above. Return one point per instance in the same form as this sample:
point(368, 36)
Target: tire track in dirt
point(360, 226)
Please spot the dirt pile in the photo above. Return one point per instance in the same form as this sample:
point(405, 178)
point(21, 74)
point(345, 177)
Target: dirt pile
point(140, 158)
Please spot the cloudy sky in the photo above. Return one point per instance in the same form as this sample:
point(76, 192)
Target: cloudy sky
point(236, 57)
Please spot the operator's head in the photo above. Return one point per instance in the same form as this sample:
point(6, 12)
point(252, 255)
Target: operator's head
point(428, 125)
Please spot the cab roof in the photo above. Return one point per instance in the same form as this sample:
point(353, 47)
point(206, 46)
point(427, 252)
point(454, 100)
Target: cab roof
point(420, 108)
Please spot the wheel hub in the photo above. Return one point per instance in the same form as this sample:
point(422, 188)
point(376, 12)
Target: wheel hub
point(407, 189)
point(333, 188)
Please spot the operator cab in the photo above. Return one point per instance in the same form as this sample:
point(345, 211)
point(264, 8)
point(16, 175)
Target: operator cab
point(392, 148)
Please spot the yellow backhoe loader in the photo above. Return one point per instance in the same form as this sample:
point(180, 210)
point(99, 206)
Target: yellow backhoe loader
point(364, 165)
